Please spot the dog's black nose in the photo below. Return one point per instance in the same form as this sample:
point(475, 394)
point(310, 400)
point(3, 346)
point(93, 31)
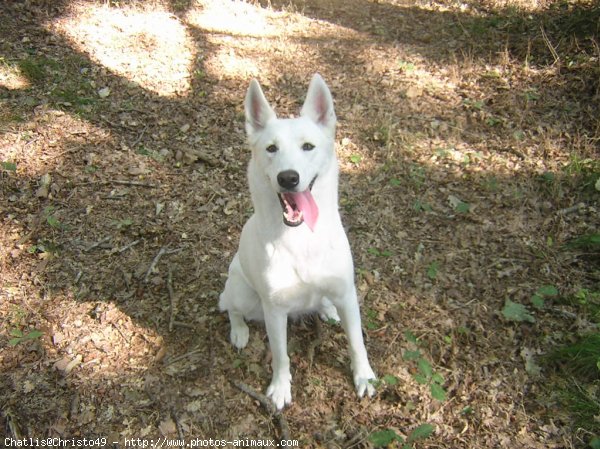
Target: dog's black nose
point(288, 179)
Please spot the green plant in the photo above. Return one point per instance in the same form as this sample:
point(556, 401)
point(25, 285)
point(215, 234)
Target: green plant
point(540, 295)
point(386, 437)
point(589, 242)
point(51, 218)
point(424, 374)
point(19, 336)
point(473, 104)
point(406, 66)
point(8, 166)
point(122, 224)
point(417, 174)
point(371, 321)
point(355, 158)
point(379, 253)
point(513, 311)
point(420, 206)
point(459, 205)
point(33, 68)
point(581, 358)
point(432, 270)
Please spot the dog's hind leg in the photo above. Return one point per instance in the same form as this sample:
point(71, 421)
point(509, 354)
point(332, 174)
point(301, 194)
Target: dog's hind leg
point(241, 301)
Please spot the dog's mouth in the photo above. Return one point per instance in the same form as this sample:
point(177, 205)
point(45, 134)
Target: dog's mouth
point(299, 207)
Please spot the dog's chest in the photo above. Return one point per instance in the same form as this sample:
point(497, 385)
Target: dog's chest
point(300, 275)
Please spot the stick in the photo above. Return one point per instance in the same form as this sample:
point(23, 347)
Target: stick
point(171, 299)
point(183, 356)
point(136, 141)
point(161, 253)
point(550, 46)
point(570, 210)
point(126, 247)
point(266, 403)
point(96, 245)
point(130, 183)
point(12, 424)
point(120, 182)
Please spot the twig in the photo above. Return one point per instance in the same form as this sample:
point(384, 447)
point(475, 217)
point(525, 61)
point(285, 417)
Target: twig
point(172, 300)
point(96, 245)
point(136, 141)
point(266, 403)
point(183, 356)
point(131, 183)
point(570, 210)
point(182, 324)
point(550, 46)
point(12, 424)
point(316, 342)
point(161, 253)
point(177, 424)
point(120, 182)
point(126, 247)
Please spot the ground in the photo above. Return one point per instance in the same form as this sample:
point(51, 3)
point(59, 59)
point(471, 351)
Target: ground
point(468, 143)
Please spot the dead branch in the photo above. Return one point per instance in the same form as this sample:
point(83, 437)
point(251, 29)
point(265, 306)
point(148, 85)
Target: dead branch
point(119, 182)
point(160, 253)
point(96, 244)
point(183, 356)
point(172, 300)
point(266, 403)
point(128, 246)
point(570, 210)
point(139, 138)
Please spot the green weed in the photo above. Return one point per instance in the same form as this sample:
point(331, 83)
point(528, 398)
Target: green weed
point(581, 358)
point(424, 374)
point(51, 219)
point(513, 311)
point(34, 68)
point(19, 336)
point(539, 297)
point(386, 437)
point(379, 253)
point(8, 166)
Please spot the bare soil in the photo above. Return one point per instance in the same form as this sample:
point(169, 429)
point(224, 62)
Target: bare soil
point(468, 143)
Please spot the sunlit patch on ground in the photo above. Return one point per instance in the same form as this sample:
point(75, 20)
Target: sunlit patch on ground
point(11, 77)
point(254, 41)
point(150, 48)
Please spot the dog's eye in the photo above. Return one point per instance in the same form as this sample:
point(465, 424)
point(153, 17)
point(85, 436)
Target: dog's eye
point(272, 148)
point(308, 146)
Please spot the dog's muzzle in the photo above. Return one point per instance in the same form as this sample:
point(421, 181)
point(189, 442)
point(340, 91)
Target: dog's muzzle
point(297, 207)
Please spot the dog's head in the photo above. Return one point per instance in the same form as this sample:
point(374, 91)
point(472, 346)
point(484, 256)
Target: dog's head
point(293, 152)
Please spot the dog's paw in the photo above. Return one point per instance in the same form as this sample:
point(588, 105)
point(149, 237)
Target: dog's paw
point(239, 335)
point(280, 393)
point(329, 313)
point(364, 380)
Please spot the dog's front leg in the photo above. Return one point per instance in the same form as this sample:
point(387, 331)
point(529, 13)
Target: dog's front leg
point(280, 390)
point(361, 369)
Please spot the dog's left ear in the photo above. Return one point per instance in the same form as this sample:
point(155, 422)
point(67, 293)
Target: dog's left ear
point(318, 105)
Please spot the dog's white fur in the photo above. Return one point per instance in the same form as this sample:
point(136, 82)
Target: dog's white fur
point(281, 270)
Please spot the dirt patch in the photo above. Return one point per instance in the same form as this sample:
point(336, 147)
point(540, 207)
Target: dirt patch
point(468, 144)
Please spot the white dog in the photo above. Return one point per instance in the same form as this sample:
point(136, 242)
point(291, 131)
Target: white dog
point(294, 255)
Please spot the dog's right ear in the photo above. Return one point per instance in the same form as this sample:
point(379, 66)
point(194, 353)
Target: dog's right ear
point(258, 110)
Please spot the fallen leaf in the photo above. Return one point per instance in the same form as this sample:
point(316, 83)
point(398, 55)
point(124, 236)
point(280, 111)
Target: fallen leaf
point(167, 427)
point(104, 92)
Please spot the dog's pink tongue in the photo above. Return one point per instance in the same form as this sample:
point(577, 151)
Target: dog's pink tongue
point(306, 203)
